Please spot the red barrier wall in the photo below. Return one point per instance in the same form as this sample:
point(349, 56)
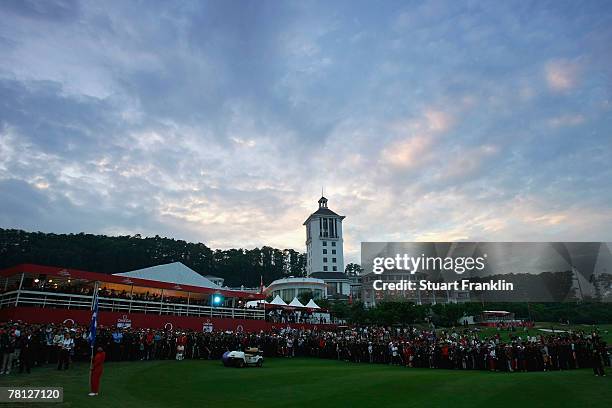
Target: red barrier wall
point(141, 320)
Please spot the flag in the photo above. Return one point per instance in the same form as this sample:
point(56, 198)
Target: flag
point(91, 338)
point(261, 285)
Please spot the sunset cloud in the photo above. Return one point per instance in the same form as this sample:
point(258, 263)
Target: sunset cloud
point(562, 75)
point(220, 122)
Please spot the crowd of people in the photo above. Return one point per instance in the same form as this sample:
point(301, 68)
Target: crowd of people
point(281, 315)
point(24, 346)
point(85, 290)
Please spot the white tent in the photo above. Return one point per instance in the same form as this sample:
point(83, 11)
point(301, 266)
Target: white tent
point(256, 303)
point(312, 305)
point(278, 301)
point(296, 303)
point(174, 272)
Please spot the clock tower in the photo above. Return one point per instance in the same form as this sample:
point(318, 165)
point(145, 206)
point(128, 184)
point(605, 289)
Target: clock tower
point(324, 243)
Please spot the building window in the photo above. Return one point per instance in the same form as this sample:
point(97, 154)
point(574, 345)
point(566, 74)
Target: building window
point(325, 243)
point(324, 251)
point(334, 260)
point(288, 294)
point(333, 251)
point(334, 243)
point(325, 259)
point(325, 269)
point(335, 268)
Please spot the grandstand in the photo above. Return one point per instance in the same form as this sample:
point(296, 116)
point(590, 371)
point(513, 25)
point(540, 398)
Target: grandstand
point(170, 295)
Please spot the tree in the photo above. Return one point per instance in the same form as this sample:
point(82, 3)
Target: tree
point(353, 269)
point(304, 297)
point(105, 254)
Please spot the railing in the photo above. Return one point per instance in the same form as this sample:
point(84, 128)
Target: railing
point(54, 300)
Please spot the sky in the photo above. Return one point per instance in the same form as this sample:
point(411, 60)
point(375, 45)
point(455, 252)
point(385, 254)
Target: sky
point(220, 122)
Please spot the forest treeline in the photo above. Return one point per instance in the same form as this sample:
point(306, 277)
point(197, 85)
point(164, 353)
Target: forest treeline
point(107, 254)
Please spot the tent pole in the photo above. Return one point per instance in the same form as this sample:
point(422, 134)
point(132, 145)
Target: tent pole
point(19, 291)
point(131, 297)
point(161, 302)
point(188, 298)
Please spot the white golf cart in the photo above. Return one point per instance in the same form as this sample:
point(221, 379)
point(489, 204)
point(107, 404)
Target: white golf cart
point(249, 357)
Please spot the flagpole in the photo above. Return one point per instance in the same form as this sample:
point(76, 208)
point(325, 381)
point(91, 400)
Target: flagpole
point(94, 309)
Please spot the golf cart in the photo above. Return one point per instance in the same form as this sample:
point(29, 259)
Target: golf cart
point(251, 356)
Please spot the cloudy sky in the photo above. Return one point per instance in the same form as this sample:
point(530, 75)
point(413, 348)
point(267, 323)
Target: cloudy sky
point(220, 121)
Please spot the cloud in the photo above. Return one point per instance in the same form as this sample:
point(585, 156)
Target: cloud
point(467, 162)
point(408, 153)
point(416, 139)
point(220, 123)
point(566, 120)
point(438, 121)
point(562, 75)
point(53, 10)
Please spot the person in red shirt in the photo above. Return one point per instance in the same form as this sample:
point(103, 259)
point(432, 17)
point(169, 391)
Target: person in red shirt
point(149, 339)
point(408, 354)
point(96, 371)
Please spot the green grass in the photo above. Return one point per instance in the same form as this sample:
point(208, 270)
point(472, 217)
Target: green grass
point(605, 330)
point(317, 383)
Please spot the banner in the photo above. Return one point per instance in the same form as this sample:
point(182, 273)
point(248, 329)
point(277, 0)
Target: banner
point(434, 272)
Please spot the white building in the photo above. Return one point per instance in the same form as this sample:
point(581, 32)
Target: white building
point(324, 243)
point(324, 260)
point(288, 288)
point(325, 250)
point(215, 279)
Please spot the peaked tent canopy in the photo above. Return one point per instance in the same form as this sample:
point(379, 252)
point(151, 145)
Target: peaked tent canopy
point(312, 305)
point(278, 301)
point(296, 303)
point(174, 272)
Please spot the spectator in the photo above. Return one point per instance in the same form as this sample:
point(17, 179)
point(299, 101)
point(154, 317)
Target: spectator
point(67, 345)
point(7, 348)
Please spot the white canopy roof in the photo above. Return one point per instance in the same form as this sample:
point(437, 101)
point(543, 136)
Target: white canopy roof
point(296, 303)
point(278, 301)
point(311, 304)
point(174, 272)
